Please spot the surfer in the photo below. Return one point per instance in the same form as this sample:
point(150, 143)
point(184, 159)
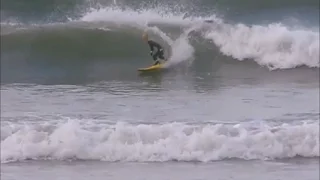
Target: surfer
point(158, 55)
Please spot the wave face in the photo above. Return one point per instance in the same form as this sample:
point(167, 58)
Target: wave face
point(158, 143)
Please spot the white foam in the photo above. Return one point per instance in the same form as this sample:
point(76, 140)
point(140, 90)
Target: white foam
point(172, 141)
point(273, 45)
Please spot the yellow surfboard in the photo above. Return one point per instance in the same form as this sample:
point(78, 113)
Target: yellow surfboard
point(152, 68)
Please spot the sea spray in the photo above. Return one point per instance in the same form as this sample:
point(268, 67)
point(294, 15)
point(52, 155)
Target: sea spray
point(129, 16)
point(180, 49)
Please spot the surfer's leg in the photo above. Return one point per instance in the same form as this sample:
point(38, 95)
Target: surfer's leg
point(157, 62)
point(161, 56)
point(156, 56)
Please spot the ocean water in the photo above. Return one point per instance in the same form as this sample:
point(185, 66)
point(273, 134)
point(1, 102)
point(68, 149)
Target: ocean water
point(239, 98)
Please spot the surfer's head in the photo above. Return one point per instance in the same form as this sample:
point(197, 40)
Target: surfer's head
point(145, 36)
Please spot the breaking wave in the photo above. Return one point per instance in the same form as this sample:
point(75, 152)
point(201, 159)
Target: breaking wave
point(100, 34)
point(158, 143)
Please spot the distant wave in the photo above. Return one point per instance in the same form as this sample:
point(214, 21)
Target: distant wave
point(157, 143)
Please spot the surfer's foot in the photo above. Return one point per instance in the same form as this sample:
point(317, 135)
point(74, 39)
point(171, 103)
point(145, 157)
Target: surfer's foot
point(157, 62)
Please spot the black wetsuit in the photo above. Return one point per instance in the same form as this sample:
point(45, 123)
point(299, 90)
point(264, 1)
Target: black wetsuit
point(158, 54)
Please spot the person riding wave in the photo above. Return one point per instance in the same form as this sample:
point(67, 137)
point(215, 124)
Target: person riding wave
point(156, 55)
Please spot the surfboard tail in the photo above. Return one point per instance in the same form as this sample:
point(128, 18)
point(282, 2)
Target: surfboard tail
point(151, 68)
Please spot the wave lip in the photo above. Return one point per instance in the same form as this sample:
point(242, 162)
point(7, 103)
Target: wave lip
point(158, 143)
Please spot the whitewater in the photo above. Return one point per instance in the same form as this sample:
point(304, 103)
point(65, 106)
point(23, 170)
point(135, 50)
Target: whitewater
point(158, 143)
